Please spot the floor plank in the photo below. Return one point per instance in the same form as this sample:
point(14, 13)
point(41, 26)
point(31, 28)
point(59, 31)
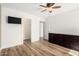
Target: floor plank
point(39, 48)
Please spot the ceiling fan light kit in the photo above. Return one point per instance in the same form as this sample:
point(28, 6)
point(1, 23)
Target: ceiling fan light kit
point(49, 9)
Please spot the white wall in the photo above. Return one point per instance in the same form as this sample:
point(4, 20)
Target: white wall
point(14, 34)
point(11, 34)
point(35, 25)
point(35, 28)
point(0, 26)
point(65, 23)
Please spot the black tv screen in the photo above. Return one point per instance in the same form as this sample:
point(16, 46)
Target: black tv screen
point(14, 20)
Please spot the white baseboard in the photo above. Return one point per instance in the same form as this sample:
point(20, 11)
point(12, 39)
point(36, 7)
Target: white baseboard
point(20, 43)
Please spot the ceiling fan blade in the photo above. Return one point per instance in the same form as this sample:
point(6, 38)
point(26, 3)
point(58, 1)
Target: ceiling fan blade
point(50, 4)
point(56, 7)
point(43, 10)
point(53, 4)
point(43, 6)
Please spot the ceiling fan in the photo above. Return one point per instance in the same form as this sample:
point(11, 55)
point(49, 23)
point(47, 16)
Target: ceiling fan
point(49, 7)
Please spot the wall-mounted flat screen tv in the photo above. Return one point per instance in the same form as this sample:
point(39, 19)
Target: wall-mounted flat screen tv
point(14, 20)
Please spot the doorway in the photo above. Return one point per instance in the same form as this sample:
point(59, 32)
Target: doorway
point(41, 30)
point(27, 30)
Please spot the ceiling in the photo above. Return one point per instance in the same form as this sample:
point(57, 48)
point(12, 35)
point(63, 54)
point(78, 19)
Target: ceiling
point(34, 8)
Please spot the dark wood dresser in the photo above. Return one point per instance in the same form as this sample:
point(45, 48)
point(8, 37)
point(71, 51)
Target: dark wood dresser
point(68, 41)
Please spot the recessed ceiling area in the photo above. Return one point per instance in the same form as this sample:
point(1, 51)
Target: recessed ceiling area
point(34, 8)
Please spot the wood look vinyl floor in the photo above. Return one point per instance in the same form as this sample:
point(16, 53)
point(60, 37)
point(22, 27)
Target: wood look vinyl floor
point(39, 48)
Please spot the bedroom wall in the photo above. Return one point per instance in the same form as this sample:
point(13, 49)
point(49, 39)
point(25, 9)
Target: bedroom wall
point(65, 23)
point(35, 30)
point(0, 25)
point(14, 34)
point(11, 34)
